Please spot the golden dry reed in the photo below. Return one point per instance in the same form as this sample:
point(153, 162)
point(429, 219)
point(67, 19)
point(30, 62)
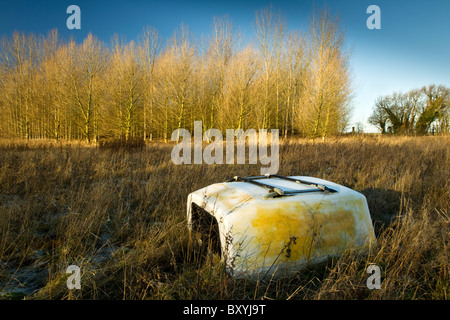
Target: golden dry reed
point(120, 215)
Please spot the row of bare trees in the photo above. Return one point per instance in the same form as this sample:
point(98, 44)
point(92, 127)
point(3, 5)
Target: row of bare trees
point(296, 82)
point(417, 112)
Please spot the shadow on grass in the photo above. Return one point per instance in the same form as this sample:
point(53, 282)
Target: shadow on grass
point(384, 206)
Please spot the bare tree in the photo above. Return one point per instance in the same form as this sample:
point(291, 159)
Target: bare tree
point(269, 29)
point(239, 88)
point(413, 112)
point(328, 92)
point(434, 108)
point(149, 48)
point(83, 68)
point(218, 56)
point(52, 94)
point(125, 97)
point(175, 80)
point(19, 61)
point(379, 117)
point(294, 59)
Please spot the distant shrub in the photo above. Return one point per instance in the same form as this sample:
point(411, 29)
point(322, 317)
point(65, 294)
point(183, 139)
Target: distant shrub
point(131, 144)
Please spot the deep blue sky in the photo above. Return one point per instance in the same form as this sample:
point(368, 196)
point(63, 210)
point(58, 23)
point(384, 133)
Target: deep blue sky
point(412, 48)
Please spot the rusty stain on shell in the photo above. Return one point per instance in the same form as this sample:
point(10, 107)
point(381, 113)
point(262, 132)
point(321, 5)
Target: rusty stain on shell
point(260, 236)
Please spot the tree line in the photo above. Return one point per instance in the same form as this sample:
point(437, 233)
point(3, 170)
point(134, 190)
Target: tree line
point(296, 81)
point(416, 112)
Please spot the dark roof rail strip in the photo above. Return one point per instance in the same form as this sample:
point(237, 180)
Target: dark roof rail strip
point(320, 186)
point(279, 191)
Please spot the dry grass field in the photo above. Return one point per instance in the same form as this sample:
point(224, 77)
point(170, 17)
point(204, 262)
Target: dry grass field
point(120, 214)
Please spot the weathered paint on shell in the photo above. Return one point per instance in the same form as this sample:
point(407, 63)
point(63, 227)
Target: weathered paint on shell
point(260, 236)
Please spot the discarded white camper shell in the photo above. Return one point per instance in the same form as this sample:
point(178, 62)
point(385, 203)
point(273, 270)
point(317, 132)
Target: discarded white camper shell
point(275, 225)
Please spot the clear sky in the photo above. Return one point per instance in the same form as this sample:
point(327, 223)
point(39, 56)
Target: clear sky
point(412, 48)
